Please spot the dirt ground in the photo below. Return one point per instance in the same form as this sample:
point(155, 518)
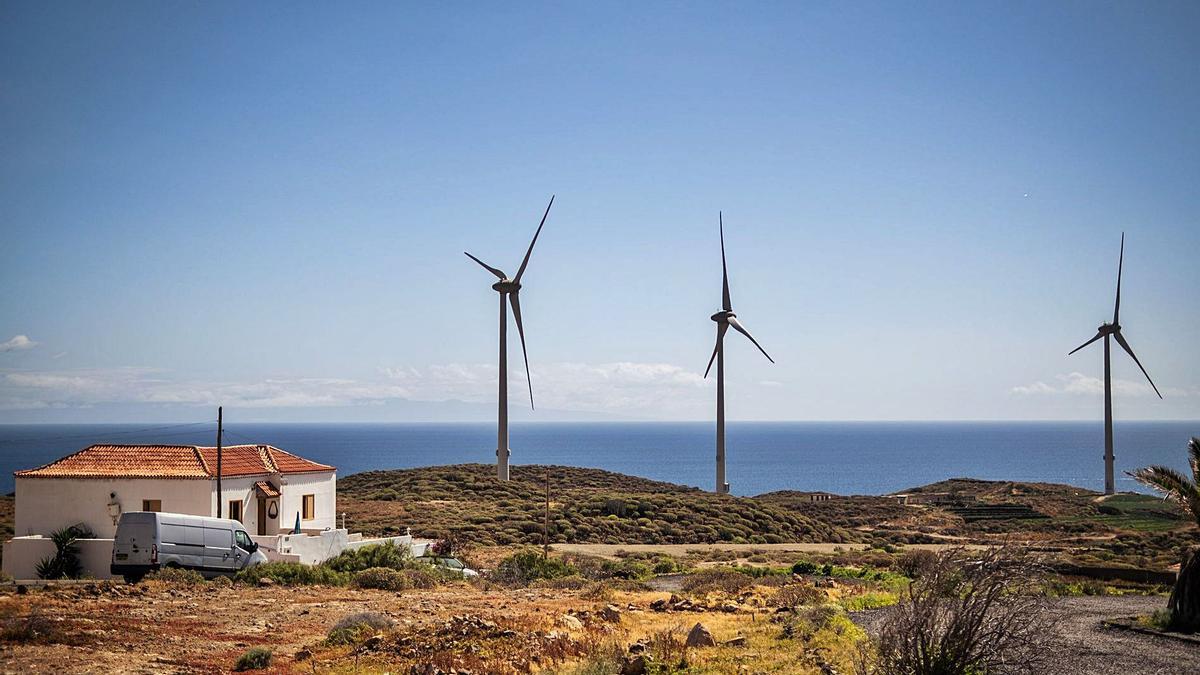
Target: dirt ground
point(1083, 645)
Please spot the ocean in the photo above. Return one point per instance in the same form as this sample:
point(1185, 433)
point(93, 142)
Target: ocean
point(839, 457)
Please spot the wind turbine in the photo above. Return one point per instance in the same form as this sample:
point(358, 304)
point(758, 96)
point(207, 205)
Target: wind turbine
point(510, 290)
point(1113, 330)
point(725, 318)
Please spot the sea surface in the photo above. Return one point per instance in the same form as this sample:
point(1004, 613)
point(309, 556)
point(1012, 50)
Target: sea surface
point(839, 457)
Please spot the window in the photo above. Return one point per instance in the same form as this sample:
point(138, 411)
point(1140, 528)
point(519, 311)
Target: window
point(152, 505)
point(310, 507)
point(243, 540)
point(235, 509)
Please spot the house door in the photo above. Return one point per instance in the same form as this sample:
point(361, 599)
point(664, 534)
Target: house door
point(262, 516)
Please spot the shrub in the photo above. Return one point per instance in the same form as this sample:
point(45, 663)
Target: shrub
point(804, 624)
point(292, 574)
point(176, 576)
point(65, 563)
point(805, 567)
point(794, 595)
point(967, 615)
point(914, 563)
point(725, 579)
point(351, 628)
point(256, 658)
point(528, 565)
point(222, 582)
point(386, 554)
point(382, 578)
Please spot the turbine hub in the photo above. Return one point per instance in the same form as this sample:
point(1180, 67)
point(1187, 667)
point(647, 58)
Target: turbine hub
point(506, 286)
point(1108, 328)
point(722, 316)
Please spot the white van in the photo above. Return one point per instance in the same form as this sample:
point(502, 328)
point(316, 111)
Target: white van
point(148, 541)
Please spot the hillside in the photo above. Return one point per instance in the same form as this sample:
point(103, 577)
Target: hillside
point(587, 506)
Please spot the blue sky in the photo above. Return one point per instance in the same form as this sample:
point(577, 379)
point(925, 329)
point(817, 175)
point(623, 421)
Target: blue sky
point(266, 206)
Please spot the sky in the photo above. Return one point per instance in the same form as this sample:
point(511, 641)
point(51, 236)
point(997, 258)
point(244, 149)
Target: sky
point(264, 206)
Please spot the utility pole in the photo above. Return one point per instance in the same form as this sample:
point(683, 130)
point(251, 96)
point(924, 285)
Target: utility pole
point(219, 429)
point(546, 522)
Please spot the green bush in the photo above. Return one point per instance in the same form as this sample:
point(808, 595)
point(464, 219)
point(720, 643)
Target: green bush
point(65, 563)
point(382, 578)
point(257, 658)
point(292, 574)
point(350, 629)
point(364, 558)
point(805, 567)
point(177, 576)
point(528, 565)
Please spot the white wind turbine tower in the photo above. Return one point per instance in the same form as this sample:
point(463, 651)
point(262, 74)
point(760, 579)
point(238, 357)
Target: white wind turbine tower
point(1113, 330)
point(725, 318)
point(509, 290)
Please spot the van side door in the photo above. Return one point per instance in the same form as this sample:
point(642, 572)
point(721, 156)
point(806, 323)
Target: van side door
point(218, 549)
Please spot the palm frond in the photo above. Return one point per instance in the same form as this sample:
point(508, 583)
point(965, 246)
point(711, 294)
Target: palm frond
point(1173, 484)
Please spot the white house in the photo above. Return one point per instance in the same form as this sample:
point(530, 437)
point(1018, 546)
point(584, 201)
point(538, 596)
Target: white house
point(262, 486)
point(265, 488)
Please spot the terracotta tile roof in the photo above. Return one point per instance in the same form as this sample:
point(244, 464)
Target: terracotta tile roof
point(173, 461)
point(266, 489)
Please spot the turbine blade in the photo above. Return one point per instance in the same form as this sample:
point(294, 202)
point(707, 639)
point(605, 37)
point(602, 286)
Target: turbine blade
point(726, 304)
point(737, 325)
point(535, 236)
point(721, 328)
point(1098, 336)
point(516, 306)
point(1120, 264)
point(1125, 345)
point(487, 267)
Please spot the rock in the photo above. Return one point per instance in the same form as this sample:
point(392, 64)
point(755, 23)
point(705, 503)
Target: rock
point(729, 608)
point(266, 581)
point(373, 642)
point(570, 622)
point(610, 613)
point(637, 648)
point(635, 665)
point(659, 605)
point(303, 655)
point(22, 589)
point(700, 636)
point(739, 641)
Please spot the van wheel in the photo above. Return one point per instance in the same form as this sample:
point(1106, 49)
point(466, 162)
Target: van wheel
point(133, 578)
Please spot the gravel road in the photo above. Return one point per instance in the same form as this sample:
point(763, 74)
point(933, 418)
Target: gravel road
point(1083, 645)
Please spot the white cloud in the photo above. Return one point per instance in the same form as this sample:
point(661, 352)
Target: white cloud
point(17, 343)
point(641, 389)
point(638, 388)
point(1076, 383)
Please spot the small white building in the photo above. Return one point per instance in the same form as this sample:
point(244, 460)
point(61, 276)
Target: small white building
point(262, 486)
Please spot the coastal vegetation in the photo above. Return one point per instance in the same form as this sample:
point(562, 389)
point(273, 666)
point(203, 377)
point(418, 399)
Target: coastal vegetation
point(1183, 607)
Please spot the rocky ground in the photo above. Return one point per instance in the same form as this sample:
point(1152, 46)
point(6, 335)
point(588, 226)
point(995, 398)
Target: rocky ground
point(157, 627)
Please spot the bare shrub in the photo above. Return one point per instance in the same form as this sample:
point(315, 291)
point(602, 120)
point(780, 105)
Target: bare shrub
point(353, 627)
point(969, 612)
point(716, 579)
point(914, 563)
point(794, 595)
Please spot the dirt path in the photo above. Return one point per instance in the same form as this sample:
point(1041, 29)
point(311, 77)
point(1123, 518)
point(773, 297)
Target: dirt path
point(1083, 645)
point(680, 550)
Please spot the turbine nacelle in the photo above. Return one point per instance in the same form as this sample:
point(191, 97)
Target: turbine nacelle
point(506, 286)
point(723, 316)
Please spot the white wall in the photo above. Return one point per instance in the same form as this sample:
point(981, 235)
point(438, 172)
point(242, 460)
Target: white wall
point(21, 555)
point(44, 505)
point(323, 485)
point(243, 488)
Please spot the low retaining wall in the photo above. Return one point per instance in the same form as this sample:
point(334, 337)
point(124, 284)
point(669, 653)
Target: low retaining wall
point(21, 556)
